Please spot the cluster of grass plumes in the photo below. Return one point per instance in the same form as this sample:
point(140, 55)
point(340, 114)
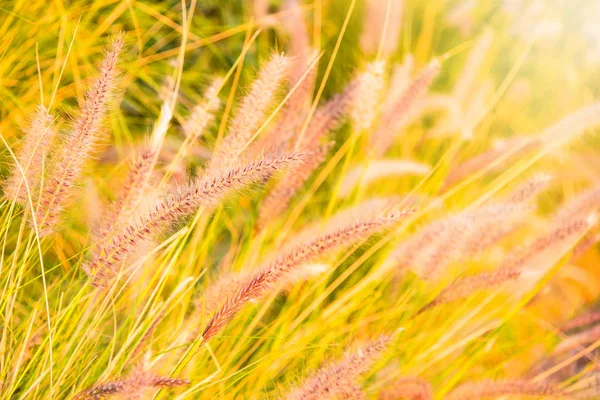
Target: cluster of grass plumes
point(287, 200)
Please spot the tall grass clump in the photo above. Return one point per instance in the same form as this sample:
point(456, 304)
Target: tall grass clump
point(295, 199)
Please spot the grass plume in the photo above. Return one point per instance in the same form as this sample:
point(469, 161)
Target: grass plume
point(79, 143)
point(409, 388)
point(271, 275)
point(251, 111)
point(487, 389)
point(36, 144)
point(135, 386)
point(208, 191)
point(339, 379)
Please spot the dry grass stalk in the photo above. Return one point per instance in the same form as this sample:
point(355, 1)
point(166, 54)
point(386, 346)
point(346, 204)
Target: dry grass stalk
point(333, 381)
point(21, 357)
point(208, 191)
point(492, 389)
point(587, 385)
point(251, 112)
point(36, 143)
point(393, 119)
point(408, 388)
point(79, 143)
point(275, 273)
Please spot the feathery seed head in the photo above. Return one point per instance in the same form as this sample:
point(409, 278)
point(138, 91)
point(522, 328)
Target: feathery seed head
point(78, 145)
point(465, 287)
point(409, 388)
point(280, 196)
point(36, 143)
point(581, 205)
point(332, 381)
point(530, 188)
point(203, 114)
point(394, 119)
point(443, 241)
point(276, 273)
point(134, 386)
point(486, 389)
point(365, 104)
point(251, 112)
point(208, 191)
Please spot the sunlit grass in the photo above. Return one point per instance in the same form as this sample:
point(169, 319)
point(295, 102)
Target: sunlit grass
point(60, 335)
